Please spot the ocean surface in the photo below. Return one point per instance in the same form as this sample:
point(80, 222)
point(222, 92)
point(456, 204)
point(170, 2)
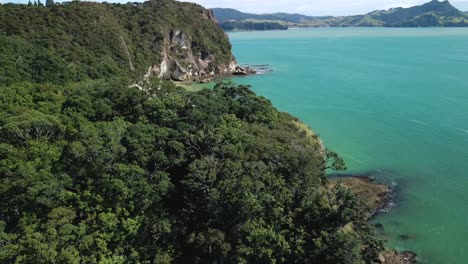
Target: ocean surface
point(393, 102)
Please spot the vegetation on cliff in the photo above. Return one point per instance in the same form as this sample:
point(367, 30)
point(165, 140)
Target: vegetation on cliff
point(76, 41)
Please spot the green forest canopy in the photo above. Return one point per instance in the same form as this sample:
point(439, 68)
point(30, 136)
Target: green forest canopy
point(95, 170)
point(79, 41)
point(99, 172)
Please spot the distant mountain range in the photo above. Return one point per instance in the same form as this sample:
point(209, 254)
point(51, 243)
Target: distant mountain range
point(431, 14)
point(226, 14)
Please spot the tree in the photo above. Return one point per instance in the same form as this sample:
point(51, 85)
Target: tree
point(334, 161)
point(35, 3)
point(29, 3)
point(39, 3)
point(50, 2)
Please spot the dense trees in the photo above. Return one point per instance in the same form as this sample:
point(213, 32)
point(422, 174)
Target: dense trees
point(95, 170)
point(252, 25)
point(79, 41)
point(99, 172)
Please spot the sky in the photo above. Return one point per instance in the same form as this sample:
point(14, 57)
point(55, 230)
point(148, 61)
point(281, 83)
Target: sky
point(306, 7)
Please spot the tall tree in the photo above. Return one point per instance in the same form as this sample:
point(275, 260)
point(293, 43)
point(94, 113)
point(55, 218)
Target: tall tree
point(39, 3)
point(50, 2)
point(29, 3)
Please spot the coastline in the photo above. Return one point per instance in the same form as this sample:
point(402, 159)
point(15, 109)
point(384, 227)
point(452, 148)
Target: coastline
point(378, 197)
point(198, 83)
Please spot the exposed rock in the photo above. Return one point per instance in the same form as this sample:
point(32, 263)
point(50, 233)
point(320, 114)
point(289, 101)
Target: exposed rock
point(242, 71)
point(127, 52)
point(376, 196)
point(210, 16)
point(379, 226)
point(380, 258)
point(155, 70)
point(178, 38)
point(180, 63)
point(349, 228)
point(373, 194)
point(232, 66)
point(395, 257)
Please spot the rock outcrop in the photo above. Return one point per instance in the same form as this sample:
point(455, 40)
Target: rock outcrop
point(397, 257)
point(181, 63)
point(374, 195)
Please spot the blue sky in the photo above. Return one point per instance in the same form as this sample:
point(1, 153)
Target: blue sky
point(308, 7)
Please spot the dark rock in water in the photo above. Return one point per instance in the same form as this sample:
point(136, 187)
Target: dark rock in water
point(259, 69)
point(379, 226)
point(243, 71)
point(404, 237)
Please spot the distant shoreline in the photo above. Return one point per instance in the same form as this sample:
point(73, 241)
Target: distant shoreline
point(430, 14)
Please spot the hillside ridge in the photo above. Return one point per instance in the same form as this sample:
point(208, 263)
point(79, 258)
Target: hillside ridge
point(431, 14)
point(83, 40)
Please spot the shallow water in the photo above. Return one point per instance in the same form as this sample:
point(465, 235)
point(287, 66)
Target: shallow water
point(393, 101)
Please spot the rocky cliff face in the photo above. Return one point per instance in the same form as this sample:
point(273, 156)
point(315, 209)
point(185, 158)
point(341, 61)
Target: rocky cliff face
point(194, 55)
point(181, 63)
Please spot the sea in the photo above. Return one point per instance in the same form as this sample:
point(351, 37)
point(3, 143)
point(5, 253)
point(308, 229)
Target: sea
point(393, 102)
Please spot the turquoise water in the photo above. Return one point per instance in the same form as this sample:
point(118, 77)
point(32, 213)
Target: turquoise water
point(392, 101)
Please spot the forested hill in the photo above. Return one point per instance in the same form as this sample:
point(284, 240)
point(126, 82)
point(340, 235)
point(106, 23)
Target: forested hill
point(96, 169)
point(227, 14)
point(251, 25)
point(82, 40)
point(431, 14)
point(231, 19)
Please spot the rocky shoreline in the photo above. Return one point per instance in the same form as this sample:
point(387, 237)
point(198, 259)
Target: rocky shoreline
point(236, 72)
point(240, 71)
point(378, 197)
